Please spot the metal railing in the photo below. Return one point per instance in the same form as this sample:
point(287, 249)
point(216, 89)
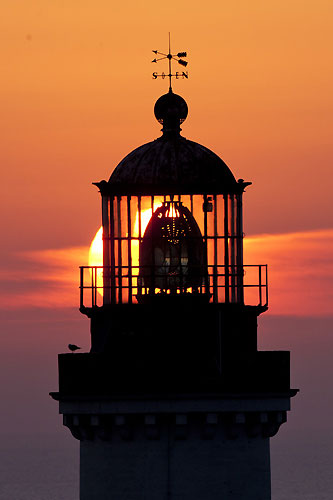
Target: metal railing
point(126, 284)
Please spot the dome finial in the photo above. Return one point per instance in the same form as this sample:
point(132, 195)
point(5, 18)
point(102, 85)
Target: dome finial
point(176, 57)
point(171, 110)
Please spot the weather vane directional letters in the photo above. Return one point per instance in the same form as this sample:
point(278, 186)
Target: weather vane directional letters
point(176, 57)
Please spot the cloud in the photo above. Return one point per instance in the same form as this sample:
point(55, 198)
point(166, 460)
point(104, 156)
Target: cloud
point(44, 278)
point(300, 274)
point(300, 270)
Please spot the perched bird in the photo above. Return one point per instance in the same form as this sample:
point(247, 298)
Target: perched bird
point(73, 347)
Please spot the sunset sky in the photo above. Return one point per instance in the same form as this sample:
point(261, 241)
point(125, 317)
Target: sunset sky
point(76, 95)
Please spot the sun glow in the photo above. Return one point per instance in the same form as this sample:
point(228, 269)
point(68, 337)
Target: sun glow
point(96, 248)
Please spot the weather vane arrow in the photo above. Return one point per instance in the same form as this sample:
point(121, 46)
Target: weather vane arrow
point(171, 57)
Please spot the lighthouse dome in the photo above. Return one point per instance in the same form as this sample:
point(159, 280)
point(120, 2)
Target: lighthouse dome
point(171, 164)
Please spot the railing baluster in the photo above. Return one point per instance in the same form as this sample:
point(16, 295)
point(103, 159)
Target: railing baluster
point(92, 286)
point(266, 285)
point(81, 285)
point(96, 285)
point(260, 290)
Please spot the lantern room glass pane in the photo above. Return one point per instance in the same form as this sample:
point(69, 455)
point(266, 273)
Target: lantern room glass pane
point(198, 213)
point(125, 222)
point(186, 200)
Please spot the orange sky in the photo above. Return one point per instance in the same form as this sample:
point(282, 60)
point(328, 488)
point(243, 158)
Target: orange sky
point(77, 95)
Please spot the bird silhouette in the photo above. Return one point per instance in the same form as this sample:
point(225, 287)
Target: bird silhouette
point(73, 347)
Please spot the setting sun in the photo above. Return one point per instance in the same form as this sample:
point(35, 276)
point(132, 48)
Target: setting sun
point(95, 258)
point(96, 249)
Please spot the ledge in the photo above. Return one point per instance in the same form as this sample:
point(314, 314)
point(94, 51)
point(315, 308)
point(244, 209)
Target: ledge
point(134, 373)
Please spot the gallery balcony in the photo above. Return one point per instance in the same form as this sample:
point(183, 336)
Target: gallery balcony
point(103, 285)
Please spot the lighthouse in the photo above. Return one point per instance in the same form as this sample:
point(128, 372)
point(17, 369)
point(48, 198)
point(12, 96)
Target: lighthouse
point(174, 399)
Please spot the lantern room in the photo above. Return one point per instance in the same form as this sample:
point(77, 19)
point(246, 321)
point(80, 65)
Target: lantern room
point(172, 225)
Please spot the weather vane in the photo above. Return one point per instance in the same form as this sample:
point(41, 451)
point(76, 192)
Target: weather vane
point(176, 57)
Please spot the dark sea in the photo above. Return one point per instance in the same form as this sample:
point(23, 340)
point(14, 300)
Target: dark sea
point(47, 468)
point(39, 467)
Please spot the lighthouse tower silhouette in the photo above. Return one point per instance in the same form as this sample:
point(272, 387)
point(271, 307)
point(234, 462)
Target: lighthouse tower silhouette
point(174, 400)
